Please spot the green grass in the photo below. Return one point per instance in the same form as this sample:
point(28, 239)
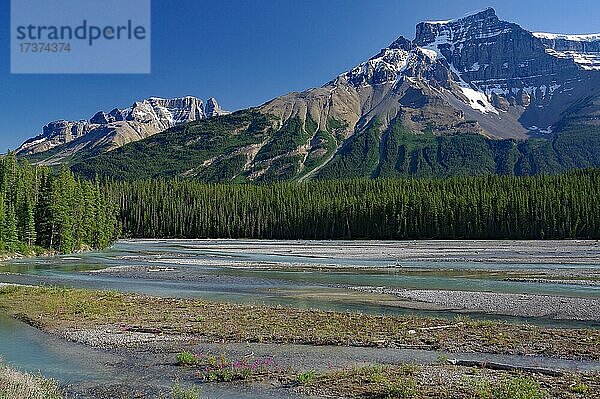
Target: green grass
point(581, 388)
point(186, 359)
point(54, 308)
point(212, 368)
point(180, 392)
point(443, 381)
point(519, 388)
point(374, 381)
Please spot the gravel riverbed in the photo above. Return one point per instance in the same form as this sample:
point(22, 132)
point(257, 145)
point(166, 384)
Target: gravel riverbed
point(524, 305)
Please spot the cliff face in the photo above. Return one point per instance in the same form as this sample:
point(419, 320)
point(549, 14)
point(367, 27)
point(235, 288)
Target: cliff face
point(107, 131)
point(584, 50)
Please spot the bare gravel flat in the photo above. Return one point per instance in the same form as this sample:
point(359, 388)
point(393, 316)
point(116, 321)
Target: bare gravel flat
point(524, 305)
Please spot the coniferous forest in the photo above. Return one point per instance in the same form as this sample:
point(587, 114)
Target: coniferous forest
point(43, 210)
point(483, 207)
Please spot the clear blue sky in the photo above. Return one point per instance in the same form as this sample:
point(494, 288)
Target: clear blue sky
point(247, 52)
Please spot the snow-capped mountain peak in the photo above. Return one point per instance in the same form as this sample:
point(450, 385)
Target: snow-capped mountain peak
point(497, 69)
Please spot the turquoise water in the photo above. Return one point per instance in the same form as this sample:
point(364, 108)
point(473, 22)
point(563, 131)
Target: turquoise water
point(226, 271)
point(224, 275)
point(32, 350)
point(196, 258)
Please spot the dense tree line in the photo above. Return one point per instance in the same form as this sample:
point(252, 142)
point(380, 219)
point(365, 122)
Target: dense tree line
point(494, 207)
point(41, 208)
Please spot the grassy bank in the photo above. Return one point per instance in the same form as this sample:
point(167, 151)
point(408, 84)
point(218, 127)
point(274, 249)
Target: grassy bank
point(25, 251)
point(15, 384)
point(443, 381)
point(60, 309)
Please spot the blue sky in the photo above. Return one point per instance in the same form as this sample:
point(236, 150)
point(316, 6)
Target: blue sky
point(246, 52)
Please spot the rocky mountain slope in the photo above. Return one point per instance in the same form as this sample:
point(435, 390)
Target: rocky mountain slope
point(106, 131)
point(471, 95)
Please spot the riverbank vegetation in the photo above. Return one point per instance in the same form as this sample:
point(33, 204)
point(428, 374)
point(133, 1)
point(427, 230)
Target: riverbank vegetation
point(444, 381)
point(405, 380)
point(485, 207)
point(73, 310)
point(184, 323)
point(44, 211)
point(15, 384)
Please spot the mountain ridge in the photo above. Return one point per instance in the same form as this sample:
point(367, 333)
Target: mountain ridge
point(105, 131)
point(474, 83)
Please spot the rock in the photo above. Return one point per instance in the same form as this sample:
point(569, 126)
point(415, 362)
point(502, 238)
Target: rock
point(524, 99)
point(583, 49)
point(144, 118)
point(500, 102)
point(100, 118)
point(213, 108)
point(117, 115)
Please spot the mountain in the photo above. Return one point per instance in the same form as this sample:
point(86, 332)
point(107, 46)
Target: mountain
point(473, 95)
point(106, 131)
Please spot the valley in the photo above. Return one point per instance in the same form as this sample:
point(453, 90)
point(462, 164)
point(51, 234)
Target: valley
point(423, 224)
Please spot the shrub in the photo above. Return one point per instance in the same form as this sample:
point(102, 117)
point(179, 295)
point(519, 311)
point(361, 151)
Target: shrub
point(306, 378)
point(581, 388)
point(220, 369)
point(187, 359)
point(400, 388)
point(15, 384)
point(178, 392)
point(519, 388)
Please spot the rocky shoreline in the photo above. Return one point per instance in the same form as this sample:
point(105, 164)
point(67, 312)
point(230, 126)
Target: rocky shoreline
point(141, 337)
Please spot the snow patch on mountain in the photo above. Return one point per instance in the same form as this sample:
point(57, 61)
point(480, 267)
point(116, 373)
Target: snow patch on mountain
point(381, 69)
point(584, 50)
point(476, 98)
point(536, 129)
point(587, 61)
point(574, 38)
point(464, 16)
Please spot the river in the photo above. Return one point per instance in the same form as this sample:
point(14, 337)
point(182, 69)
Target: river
point(315, 274)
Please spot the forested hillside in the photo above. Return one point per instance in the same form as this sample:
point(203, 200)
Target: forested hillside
point(559, 206)
point(244, 147)
point(398, 152)
point(42, 210)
